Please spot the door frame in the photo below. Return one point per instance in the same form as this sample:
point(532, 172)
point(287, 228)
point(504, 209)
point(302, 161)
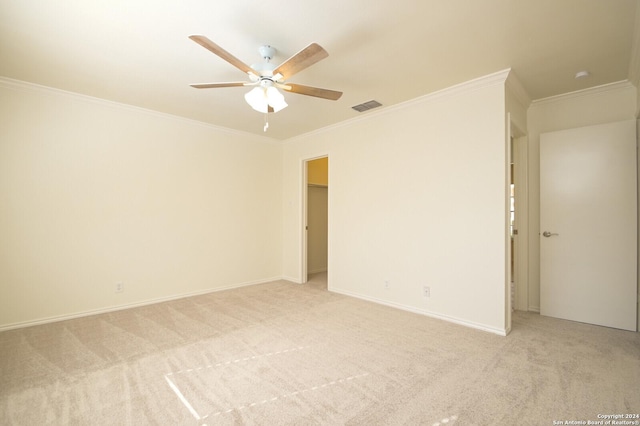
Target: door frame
point(507, 213)
point(517, 152)
point(304, 208)
point(521, 261)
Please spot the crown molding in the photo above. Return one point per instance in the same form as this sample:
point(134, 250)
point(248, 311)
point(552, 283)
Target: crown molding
point(25, 86)
point(618, 85)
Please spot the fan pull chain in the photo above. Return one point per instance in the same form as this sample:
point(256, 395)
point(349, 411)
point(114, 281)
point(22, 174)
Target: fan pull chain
point(266, 122)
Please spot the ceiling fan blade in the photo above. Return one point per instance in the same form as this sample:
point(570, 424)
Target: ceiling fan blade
point(311, 91)
point(214, 48)
point(215, 85)
point(301, 60)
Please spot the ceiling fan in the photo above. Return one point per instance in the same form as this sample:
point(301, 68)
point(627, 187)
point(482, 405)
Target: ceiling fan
point(267, 78)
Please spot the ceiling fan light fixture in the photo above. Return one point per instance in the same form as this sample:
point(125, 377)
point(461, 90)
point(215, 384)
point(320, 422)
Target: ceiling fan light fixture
point(257, 99)
point(275, 99)
point(260, 98)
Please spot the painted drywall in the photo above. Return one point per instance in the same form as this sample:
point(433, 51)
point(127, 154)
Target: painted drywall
point(318, 171)
point(95, 193)
point(418, 198)
point(605, 104)
point(517, 103)
point(317, 220)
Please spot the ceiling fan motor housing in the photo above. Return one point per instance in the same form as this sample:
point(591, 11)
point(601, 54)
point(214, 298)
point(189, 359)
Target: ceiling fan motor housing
point(265, 69)
point(267, 52)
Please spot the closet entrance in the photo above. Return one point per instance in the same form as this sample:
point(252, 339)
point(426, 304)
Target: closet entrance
point(316, 216)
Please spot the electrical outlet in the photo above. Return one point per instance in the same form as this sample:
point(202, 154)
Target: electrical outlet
point(119, 287)
point(387, 284)
point(426, 291)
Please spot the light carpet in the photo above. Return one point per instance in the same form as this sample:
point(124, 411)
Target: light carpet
point(289, 354)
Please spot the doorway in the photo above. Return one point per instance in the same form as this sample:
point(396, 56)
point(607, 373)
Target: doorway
point(315, 220)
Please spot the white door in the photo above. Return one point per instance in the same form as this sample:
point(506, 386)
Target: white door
point(588, 225)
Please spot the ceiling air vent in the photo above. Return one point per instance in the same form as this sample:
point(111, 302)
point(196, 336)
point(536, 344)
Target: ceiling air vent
point(366, 106)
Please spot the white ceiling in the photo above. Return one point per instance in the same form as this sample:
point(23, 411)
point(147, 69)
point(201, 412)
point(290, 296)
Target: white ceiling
point(137, 51)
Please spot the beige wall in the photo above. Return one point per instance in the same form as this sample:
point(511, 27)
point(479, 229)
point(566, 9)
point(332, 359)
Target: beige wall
point(517, 102)
point(317, 202)
point(418, 197)
point(94, 193)
point(318, 171)
point(600, 105)
point(99, 193)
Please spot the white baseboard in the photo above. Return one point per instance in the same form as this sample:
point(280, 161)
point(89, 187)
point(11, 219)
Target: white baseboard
point(65, 317)
point(534, 309)
point(470, 324)
point(315, 271)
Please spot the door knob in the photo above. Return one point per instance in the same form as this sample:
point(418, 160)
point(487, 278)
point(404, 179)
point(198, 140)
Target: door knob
point(548, 234)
